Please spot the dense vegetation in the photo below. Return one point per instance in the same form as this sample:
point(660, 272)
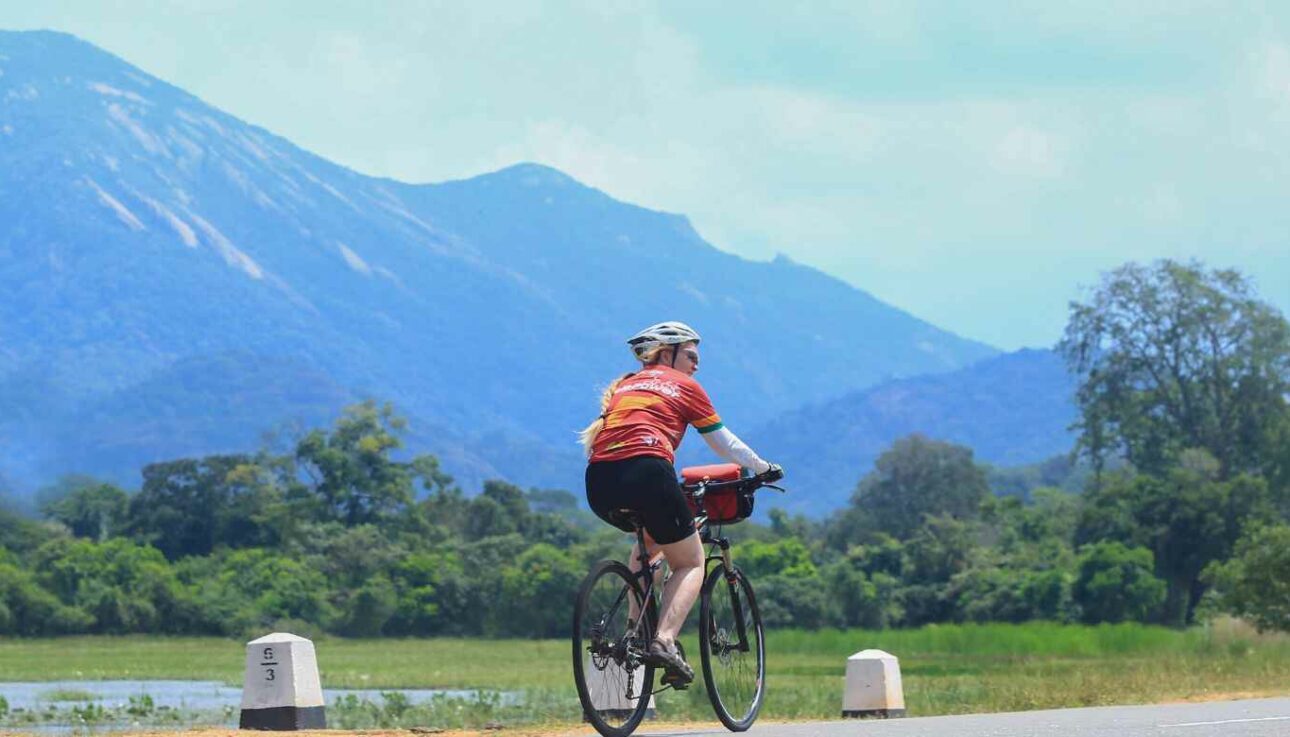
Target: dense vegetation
point(1184, 378)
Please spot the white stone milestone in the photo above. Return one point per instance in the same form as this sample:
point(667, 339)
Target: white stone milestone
point(607, 689)
point(873, 686)
point(281, 689)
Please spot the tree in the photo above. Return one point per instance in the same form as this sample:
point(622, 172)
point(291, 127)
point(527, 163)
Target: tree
point(247, 591)
point(1255, 582)
point(784, 525)
point(939, 550)
point(1187, 519)
point(536, 593)
point(917, 478)
point(553, 501)
point(1024, 566)
point(420, 581)
point(1277, 470)
point(1009, 592)
point(22, 535)
point(1172, 357)
point(488, 518)
point(188, 506)
point(1115, 584)
point(864, 599)
point(96, 511)
point(1042, 528)
point(353, 475)
point(64, 486)
point(26, 609)
point(369, 608)
point(349, 557)
point(787, 557)
point(798, 601)
point(124, 586)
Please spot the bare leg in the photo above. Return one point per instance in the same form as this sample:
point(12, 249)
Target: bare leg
point(685, 557)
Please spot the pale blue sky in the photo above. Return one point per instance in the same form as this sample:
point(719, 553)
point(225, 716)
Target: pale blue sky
point(974, 163)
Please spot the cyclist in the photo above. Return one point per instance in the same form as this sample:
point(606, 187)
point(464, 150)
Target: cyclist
point(631, 448)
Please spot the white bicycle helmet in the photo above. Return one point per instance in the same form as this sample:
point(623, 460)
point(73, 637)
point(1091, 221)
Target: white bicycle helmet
point(664, 333)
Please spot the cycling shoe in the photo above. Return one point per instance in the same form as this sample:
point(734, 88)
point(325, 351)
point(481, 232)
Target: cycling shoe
point(677, 673)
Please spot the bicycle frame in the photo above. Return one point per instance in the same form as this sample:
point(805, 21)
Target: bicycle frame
point(649, 567)
point(718, 552)
point(646, 572)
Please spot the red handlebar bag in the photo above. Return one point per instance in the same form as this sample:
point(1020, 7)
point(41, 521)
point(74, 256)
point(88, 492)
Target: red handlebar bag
point(723, 506)
point(716, 472)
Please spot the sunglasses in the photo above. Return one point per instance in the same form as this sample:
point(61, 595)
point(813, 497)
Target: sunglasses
point(692, 355)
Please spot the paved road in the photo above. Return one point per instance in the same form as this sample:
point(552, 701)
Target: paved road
point(1253, 718)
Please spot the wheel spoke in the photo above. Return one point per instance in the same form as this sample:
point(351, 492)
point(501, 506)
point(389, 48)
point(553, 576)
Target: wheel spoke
point(613, 685)
point(733, 668)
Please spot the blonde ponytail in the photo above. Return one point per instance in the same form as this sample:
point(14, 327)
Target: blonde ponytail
point(588, 434)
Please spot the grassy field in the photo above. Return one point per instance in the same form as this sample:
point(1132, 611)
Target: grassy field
point(946, 669)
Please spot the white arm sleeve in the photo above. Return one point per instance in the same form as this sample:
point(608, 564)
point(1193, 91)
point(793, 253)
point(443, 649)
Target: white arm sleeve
point(727, 445)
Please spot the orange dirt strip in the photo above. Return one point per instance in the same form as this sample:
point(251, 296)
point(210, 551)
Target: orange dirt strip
point(556, 730)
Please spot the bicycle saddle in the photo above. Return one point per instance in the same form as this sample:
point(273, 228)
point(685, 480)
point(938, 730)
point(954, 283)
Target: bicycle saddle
point(630, 517)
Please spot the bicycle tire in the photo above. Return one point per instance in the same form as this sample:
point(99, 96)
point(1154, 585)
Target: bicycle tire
point(604, 662)
point(735, 678)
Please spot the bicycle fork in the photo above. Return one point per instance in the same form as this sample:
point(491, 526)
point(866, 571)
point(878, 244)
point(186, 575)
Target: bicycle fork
point(736, 603)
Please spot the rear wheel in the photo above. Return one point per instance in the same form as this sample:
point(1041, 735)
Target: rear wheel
point(613, 684)
point(732, 649)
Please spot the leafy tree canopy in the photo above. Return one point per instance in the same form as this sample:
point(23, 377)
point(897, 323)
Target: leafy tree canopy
point(1172, 356)
point(917, 478)
point(1255, 583)
point(95, 511)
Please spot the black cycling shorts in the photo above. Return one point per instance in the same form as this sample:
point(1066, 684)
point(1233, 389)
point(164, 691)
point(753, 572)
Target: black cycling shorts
point(645, 484)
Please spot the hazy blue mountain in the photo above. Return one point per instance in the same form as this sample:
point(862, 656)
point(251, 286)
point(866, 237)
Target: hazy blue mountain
point(1012, 410)
point(178, 282)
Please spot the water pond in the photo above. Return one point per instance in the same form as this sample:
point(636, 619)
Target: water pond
point(61, 707)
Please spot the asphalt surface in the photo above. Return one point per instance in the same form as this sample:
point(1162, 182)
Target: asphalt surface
point(1251, 718)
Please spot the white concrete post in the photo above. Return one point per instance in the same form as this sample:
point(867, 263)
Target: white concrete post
point(607, 689)
point(873, 686)
point(281, 690)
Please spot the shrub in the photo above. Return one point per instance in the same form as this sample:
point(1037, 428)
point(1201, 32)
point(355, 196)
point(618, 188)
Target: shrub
point(1255, 583)
point(1115, 584)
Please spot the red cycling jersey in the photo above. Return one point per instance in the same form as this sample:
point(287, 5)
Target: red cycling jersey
point(648, 414)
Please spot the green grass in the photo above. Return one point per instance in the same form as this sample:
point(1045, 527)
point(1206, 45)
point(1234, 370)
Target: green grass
point(946, 669)
point(68, 694)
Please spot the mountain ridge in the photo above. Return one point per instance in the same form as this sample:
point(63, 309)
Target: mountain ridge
point(1011, 410)
point(150, 233)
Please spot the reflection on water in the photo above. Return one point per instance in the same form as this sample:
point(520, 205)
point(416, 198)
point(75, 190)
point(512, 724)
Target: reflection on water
point(65, 706)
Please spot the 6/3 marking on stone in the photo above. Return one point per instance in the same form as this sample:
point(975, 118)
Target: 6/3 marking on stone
point(269, 675)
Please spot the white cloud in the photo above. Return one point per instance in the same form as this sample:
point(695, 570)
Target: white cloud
point(1162, 203)
point(1028, 151)
point(936, 154)
point(573, 149)
point(1272, 74)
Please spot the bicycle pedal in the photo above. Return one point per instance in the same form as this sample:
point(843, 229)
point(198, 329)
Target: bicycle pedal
point(676, 682)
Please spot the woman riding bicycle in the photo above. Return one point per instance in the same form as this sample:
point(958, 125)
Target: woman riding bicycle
point(631, 448)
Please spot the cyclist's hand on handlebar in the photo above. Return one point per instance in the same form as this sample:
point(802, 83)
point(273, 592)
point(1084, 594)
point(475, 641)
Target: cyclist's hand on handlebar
point(774, 473)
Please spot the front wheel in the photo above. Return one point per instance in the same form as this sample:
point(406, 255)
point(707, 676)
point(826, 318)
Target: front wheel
point(732, 649)
point(613, 684)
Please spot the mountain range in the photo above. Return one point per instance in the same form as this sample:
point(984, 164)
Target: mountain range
point(180, 282)
point(1011, 410)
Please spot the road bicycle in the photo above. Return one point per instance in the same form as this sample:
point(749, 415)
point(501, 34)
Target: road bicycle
point(616, 613)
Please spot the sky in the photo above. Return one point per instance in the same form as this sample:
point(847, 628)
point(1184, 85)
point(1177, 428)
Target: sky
point(977, 164)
